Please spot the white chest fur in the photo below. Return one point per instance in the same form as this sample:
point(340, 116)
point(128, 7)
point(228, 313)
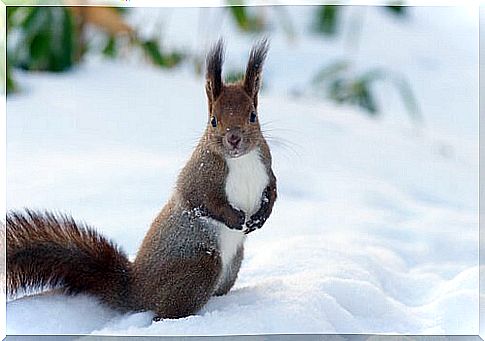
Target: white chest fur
point(245, 183)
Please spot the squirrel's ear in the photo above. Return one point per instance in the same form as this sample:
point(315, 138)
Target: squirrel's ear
point(252, 79)
point(213, 75)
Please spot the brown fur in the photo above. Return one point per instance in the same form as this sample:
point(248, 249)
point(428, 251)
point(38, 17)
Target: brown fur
point(3, 284)
point(178, 265)
point(53, 250)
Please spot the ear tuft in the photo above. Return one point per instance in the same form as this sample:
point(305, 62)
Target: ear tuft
point(214, 61)
point(252, 79)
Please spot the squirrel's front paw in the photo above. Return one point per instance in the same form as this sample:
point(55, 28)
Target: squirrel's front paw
point(255, 222)
point(236, 219)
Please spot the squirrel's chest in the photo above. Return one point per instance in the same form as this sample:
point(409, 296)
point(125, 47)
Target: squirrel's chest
point(245, 182)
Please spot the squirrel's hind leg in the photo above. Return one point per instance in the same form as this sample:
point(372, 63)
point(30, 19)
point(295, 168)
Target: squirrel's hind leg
point(229, 277)
point(181, 286)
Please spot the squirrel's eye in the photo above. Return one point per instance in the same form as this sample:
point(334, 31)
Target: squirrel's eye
point(214, 121)
point(252, 118)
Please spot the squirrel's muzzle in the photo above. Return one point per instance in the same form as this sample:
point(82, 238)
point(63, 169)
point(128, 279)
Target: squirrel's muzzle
point(234, 139)
point(234, 142)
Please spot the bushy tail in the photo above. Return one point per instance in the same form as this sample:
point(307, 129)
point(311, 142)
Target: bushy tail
point(52, 250)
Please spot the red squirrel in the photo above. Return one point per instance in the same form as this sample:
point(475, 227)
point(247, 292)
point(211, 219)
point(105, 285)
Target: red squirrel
point(194, 247)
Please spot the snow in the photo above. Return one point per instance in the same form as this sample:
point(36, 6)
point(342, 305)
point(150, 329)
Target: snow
point(376, 226)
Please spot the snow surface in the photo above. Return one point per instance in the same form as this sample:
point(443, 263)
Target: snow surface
point(376, 225)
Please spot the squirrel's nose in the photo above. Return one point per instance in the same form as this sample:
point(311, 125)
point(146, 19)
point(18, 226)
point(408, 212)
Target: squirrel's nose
point(234, 139)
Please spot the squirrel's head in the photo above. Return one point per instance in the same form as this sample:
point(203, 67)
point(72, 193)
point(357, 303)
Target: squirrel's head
point(233, 124)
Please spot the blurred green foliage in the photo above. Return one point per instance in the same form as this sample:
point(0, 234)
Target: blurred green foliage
point(110, 49)
point(244, 20)
point(400, 11)
point(233, 76)
point(253, 20)
point(342, 85)
point(339, 83)
point(158, 56)
point(328, 17)
point(46, 38)
point(151, 49)
point(50, 39)
point(10, 83)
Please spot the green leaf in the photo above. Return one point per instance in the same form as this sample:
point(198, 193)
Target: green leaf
point(10, 83)
point(66, 50)
point(399, 11)
point(331, 70)
point(408, 98)
point(47, 39)
point(39, 50)
point(342, 86)
point(32, 16)
point(158, 57)
point(366, 98)
point(328, 19)
point(110, 49)
point(233, 76)
point(153, 51)
point(239, 14)
point(245, 21)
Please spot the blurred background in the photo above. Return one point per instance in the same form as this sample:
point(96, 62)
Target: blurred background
point(371, 113)
point(373, 58)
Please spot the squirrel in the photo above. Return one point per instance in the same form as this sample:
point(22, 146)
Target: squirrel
point(194, 247)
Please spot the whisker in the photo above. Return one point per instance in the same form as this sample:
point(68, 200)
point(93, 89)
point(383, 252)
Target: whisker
point(268, 127)
point(272, 127)
point(287, 145)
